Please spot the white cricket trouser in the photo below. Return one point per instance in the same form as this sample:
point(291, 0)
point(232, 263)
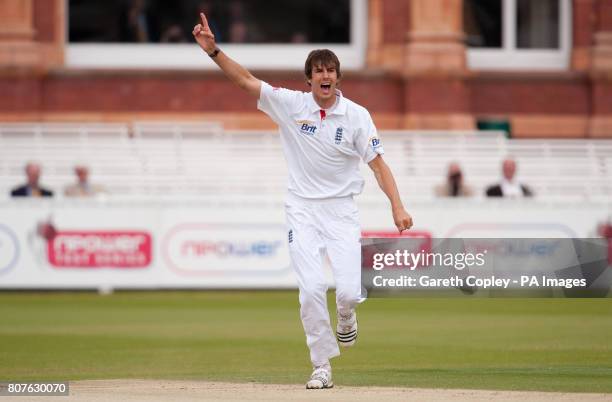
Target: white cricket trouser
point(316, 228)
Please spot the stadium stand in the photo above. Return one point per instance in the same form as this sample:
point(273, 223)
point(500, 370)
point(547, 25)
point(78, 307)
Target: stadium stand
point(201, 159)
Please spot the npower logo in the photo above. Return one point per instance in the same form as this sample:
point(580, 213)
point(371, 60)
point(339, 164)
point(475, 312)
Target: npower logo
point(208, 248)
point(194, 248)
point(97, 249)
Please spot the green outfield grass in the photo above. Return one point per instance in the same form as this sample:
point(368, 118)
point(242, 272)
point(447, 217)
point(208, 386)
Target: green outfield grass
point(517, 344)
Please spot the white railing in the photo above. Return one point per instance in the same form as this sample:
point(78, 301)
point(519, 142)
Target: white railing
point(192, 158)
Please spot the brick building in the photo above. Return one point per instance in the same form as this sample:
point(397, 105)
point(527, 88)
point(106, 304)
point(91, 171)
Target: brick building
point(414, 71)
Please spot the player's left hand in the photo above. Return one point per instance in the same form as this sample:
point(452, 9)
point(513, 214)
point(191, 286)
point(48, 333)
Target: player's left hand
point(402, 219)
point(204, 36)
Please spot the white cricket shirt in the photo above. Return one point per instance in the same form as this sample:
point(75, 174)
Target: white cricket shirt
point(511, 189)
point(322, 153)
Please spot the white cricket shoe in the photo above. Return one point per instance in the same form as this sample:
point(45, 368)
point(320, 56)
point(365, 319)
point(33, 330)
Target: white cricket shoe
point(346, 330)
point(320, 378)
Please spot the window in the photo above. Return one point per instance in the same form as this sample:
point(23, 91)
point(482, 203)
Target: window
point(483, 23)
point(257, 33)
point(537, 24)
point(517, 34)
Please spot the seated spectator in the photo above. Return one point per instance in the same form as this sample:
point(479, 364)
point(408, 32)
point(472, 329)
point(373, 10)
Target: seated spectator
point(32, 187)
point(509, 186)
point(137, 23)
point(454, 185)
point(210, 9)
point(238, 32)
point(299, 37)
point(82, 188)
point(173, 34)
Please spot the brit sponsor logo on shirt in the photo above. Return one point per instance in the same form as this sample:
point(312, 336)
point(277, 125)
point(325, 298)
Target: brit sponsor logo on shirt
point(376, 145)
point(338, 135)
point(307, 127)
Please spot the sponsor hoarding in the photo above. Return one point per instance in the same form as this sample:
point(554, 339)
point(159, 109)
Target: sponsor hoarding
point(170, 244)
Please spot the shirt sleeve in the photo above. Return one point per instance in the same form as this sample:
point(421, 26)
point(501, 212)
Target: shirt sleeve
point(277, 102)
point(367, 142)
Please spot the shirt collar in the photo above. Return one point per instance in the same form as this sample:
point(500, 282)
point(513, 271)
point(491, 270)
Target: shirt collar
point(339, 109)
point(509, 183)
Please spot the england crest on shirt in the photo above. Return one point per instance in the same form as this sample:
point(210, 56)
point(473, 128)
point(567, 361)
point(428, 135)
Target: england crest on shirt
point(338, 139)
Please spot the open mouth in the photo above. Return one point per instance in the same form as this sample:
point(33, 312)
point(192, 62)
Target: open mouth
point(325, 87)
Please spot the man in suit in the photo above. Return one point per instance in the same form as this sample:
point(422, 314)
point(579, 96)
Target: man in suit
point(509, 186)
point(32, 188)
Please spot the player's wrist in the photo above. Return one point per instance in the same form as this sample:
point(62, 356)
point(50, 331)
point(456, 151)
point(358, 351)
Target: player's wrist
point(212, 53)
point(397, 208)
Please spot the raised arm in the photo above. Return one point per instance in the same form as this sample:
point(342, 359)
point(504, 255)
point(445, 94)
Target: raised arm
point(386, 182)
point(234, 71)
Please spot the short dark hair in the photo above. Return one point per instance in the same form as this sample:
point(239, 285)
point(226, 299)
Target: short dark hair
point(324, 57)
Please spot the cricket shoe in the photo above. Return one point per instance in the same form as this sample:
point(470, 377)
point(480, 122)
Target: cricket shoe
point(320, 378)
point(346, 330)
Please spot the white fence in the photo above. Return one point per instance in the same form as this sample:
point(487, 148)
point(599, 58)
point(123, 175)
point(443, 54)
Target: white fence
point(188, 159)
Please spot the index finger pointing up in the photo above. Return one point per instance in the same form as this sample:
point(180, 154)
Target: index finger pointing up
point(204, 21)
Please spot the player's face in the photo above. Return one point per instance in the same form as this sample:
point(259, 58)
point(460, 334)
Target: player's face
point(323, 83)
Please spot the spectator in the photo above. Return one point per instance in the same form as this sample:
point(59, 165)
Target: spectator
point(237, 11)
point(173, 34)
point(209, 8)
point(454, 185)
point(509, 186)
point(32, 187)
point(82, 188)
point(299, 37)
point(137, 24)
point(238, 32)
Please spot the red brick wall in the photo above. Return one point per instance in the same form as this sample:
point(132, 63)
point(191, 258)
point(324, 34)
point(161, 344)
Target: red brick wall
point(604, 15)
point(136, 93)
point(602, 98)
point(584, 20)
point(535, 95)
point(378, 95)
point(171, 92)
point(602, 84)
point(396, 20)
point(20, 94)
point(44, 20)
point(437, 96)
point(196, 92)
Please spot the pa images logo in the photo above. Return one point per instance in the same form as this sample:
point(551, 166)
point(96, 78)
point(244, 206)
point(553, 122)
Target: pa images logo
point(9, 249)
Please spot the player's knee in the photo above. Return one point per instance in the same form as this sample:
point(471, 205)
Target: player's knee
point(348, 297)
point(313, 294)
